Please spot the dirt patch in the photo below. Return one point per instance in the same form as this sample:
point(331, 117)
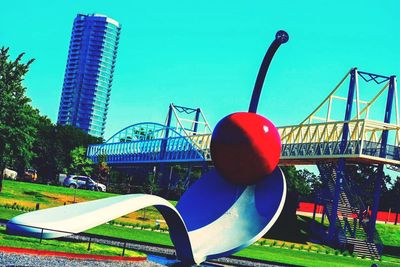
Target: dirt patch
point(137, 218)
point(39, 195)
point(54, 199)
point(61, 199)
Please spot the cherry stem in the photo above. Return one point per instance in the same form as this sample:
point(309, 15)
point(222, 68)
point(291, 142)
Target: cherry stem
point(281, 37)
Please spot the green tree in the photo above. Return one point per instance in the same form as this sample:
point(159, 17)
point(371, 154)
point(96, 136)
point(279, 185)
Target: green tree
point(394, 196)
point(17, 117)
point(80, 164)
point(179, 181)
point(310, 183)
point(142, 134)
point(301, 182)
point(44, 160)
point(66, 139)
point(53, 147)
point(391, 198)
point(102, 170)
point(361, 178)
point(151, 185)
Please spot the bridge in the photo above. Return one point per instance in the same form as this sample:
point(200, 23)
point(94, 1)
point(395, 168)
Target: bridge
point(320, 139)
point(179, 140)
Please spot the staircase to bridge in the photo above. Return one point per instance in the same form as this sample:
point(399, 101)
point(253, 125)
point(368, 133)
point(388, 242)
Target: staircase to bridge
point(351, 218)
point(320, 140)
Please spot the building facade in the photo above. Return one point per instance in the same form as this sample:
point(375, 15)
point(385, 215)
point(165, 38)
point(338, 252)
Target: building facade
point(89, 73)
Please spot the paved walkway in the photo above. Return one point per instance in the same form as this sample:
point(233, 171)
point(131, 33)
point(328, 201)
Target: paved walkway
point(28, 260)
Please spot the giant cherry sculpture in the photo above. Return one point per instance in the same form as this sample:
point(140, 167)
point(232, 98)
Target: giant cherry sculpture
point(245, 146)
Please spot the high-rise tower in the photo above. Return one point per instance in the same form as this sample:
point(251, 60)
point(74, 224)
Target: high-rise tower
point(89, 73)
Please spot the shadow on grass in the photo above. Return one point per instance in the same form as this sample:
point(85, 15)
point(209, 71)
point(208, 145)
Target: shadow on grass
point(391, 251)
point(295, 232)
point(38, 195)
point(288, 227)
point(292, 228)
point(143, 218)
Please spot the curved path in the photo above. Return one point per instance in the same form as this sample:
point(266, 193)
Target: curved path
point(69, 255)
point(33, 260)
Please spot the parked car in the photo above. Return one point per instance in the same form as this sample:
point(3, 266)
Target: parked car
point(83, 182)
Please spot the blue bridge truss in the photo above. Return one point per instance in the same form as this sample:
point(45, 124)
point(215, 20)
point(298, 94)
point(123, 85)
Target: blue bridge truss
point(150, 142)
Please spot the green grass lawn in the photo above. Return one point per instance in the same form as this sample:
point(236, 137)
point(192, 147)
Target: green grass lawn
point(132, 234)
point(48, 196)
point(28, 194)
point(389, 234)
point(303, 258)
point(62, 246)
point(7, 214)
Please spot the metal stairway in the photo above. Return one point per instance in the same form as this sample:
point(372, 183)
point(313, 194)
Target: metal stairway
point(351, 220)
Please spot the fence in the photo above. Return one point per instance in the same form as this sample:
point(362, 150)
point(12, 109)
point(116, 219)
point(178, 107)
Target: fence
point(383, 216)
point(41, 233)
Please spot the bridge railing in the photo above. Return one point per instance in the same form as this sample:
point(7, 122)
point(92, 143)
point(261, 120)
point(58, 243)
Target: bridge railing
point(202, 142)
point(323, 140)
point(193, 148)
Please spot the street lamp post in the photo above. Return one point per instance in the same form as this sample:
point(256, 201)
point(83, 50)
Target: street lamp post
point(74, 195)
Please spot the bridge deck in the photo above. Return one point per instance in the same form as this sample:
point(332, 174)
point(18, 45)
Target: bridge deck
point(301, 144)
point(317, 142)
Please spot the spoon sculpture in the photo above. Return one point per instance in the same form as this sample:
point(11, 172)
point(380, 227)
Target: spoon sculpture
point(224, 211)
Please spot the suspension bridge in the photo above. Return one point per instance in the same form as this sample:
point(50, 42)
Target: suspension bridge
point(320, 139)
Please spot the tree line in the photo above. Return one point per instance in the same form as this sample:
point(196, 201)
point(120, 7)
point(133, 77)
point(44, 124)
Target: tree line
point(27, 138)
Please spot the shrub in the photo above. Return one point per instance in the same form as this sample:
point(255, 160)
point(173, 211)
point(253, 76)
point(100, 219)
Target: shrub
point(283, 244)
point(292, 246)
point(301, 247)
point(327, 252)
point(345, 253)
point(274, 243)
point(337, 252)
point(355, 255)
point(309, 248)
point(372, 258)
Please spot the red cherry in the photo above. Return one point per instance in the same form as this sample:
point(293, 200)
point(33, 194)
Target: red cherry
point(245, 147)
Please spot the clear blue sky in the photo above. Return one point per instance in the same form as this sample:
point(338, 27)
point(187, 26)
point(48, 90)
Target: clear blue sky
point(207, 53)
